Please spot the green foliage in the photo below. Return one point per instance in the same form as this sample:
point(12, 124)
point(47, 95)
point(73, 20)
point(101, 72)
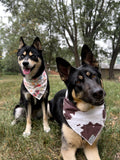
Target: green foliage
point(9, 64)
point(76, 22)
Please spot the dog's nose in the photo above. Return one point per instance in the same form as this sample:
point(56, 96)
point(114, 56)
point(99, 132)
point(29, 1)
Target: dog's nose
point(25, 63)
point(98, 93)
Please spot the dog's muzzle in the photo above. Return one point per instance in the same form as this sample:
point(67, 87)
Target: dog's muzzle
point(25, 63)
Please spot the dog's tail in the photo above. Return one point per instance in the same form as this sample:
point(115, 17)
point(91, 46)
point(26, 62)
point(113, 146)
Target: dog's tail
point(49, 109)
point(19, 114)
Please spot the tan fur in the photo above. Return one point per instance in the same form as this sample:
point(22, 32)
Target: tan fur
point(31, 64)
point(88, 74)
point(30, 53)
point(72, 141)
point(21, 44)
point(38, 46)
point(46, 127)
point(91, 152)
point(37, 66)
point(90, 59)
point(27, 131)
point(27, 95)
point(20, 61)
point(72, 137)
point(69, 153)
point(45, 118)
point(77, 97)
point(81, 105)
point(24, 53)
point(33, 68)
point(80, 77)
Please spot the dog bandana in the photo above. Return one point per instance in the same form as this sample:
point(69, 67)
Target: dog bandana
point(36, 87)
point(87, 124)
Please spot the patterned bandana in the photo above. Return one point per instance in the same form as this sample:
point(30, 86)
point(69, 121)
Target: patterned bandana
point(87, 124)
point(36, 87)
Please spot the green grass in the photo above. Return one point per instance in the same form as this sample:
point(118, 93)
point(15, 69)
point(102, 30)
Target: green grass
point(46, 146)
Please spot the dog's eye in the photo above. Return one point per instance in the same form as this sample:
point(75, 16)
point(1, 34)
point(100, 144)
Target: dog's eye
point(78, 82)
point(88, 74)
point(22, 56)
point(80, 77)
point(78, 88)
point(33, 56)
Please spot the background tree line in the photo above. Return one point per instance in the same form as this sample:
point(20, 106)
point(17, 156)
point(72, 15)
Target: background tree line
point(63, 27)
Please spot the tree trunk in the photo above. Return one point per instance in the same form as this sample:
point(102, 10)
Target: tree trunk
point(112, 63)
point(77, 58)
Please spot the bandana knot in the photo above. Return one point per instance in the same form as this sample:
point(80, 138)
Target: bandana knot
point(36, 87)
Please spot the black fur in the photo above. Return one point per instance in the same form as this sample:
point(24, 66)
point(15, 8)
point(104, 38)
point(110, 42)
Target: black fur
point(56, 107)
point(30, 59)
point(72, 81)
point(84, 86)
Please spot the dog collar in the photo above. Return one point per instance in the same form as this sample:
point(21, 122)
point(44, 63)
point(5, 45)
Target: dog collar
point(87, 124)
point(36, 87)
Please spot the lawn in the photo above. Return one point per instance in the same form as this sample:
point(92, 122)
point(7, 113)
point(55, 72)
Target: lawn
point(46, 146)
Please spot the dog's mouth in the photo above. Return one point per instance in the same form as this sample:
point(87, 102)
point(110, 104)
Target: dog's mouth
point(98, 103)
point(27, 71)
point(95, 102)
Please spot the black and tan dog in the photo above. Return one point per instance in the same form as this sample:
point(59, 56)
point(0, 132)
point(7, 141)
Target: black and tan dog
point(80, 109)
point(34, 87)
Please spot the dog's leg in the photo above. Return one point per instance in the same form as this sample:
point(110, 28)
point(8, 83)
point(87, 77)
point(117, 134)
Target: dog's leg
point(91, 152)
point(68, 153)
point(27, 131)
point(48, 110)
point(70, 143)
point(45, 118)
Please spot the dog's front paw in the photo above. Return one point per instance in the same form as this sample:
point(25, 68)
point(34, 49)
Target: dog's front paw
point(26, 134)
point(46, 129)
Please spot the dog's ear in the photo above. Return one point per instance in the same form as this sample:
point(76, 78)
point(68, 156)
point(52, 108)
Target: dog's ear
point(87, 57)
point(64, 68)
point(21, 43)
point(37, 43)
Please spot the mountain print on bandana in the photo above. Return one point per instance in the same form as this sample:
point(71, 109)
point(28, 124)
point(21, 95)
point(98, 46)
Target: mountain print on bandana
point(87, 124)
point(36, 87)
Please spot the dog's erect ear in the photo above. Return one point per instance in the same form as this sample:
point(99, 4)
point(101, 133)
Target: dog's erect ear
point(87, 57)
point(37, 43)
point(22, 43)
point(64, 68)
